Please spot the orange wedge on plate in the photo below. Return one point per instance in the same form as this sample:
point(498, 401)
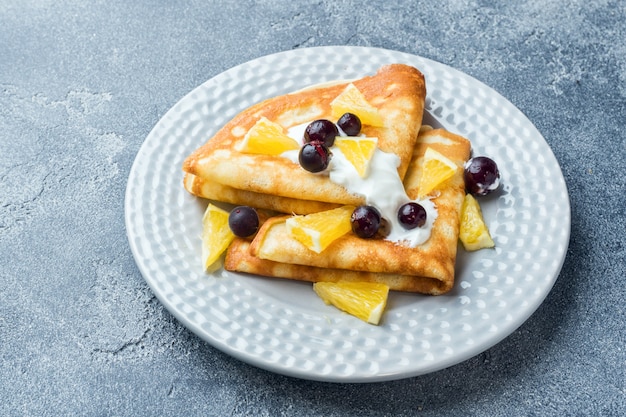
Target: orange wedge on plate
point(365, 300)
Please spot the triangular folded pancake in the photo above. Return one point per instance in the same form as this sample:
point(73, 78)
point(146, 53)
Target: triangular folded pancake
point(397, 91)
point(427, 268)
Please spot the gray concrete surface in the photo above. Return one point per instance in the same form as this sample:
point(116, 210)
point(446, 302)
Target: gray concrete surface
point(82, 84)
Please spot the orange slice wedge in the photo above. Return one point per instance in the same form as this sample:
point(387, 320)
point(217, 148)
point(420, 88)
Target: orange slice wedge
point(358, 150)
point(216, 237)
point(365, 300)
point(473, 231)
point(436, 169)
point(266, 138)
point(317, 231)
point(351, 100)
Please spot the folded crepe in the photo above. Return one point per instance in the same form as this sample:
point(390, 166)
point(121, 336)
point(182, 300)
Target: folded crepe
point(427, 268)
point(218, 171)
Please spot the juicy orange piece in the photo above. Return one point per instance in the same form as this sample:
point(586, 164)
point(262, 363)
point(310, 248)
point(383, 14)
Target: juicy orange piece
point(318, 230)
point(267, 138)
point(365, 300)
point(216, 236)
point(351, 100)
point(436, 169)
point(473, 231)
point(358, 150)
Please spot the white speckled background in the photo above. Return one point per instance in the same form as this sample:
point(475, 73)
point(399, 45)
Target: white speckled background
point(81, 86)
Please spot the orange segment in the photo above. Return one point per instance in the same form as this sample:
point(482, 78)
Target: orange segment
point(473, 231)
point(351, 100)
point(267, 138)
point(318, 230)
point(216, 236)
point(436, 169)
point(365, 300)
point(358, 150)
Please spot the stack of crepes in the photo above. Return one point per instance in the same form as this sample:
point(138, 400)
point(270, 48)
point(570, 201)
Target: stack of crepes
point(217, 171)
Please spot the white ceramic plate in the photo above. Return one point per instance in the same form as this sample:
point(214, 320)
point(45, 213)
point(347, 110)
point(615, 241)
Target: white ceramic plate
point(282, 325)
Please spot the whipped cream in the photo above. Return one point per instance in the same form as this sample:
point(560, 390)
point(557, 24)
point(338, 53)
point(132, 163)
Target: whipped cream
point(381, 188)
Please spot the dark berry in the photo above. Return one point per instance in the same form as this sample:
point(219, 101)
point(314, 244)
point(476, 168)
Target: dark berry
point(350, 124)
point(481, 175)
point(412, 215)
point(365, 221)
point(243, 221)
point(314, 156)
point(321, 130)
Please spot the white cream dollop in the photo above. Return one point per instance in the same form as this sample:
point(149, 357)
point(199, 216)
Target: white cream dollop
point(381, 188)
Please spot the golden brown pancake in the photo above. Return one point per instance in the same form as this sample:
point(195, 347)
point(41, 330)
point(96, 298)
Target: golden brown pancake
point(427, 268)
point(398, 92)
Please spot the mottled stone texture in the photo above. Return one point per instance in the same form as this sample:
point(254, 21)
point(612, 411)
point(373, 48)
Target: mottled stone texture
point(82, 84)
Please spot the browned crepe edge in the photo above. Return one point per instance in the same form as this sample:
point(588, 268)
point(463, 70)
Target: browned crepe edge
point(239, 259)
